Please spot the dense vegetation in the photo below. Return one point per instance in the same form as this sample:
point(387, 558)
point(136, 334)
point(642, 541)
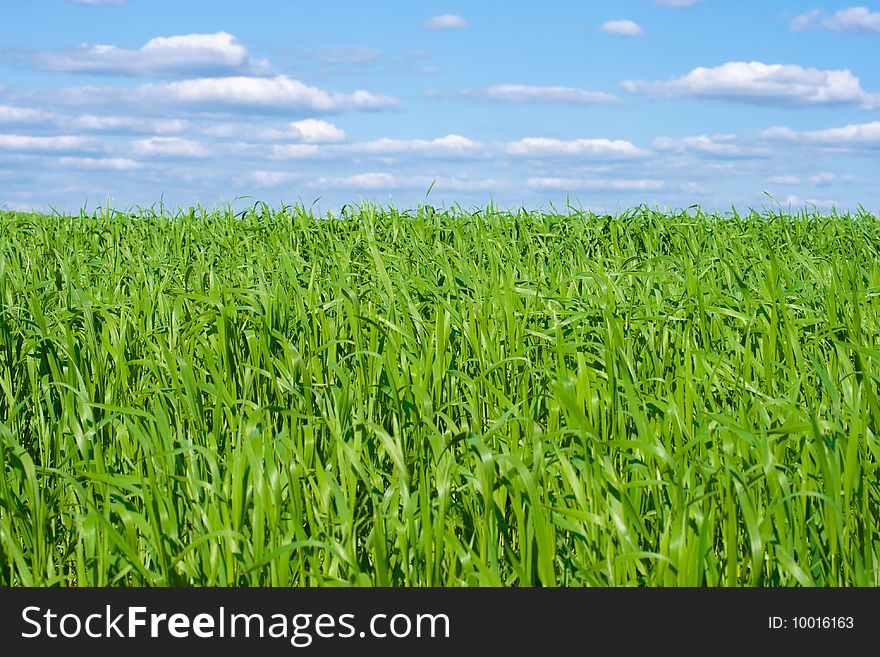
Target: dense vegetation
point(439, 398)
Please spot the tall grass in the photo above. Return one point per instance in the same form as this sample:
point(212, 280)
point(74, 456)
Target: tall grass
point(439, 398)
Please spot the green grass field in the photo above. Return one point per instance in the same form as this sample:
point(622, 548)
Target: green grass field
point(445, 398)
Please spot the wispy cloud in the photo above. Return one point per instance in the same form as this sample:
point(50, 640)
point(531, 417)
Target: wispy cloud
point(110, 124)
point(383, 180)
point(122, 124)
point(169, 147)
point(189, 54)
point(763, 84)
point(521, 93)
point(718, 146)
point(10, 114)
point(446, 22)
point(851, 19)
point(57, 143)
point(347, 56)
point(447, 146)
point(852, 136)
point(458, 147)
point(597, 184)
point(798, 202)
point(598, 148)
point(623, 28)
point(98, 163)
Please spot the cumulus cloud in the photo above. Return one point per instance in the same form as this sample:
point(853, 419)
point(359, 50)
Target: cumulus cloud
point(169, 147)
point(188, 54)
point(57, 143)
point(446, 22)
point(763, 84)
point(262, 94)
point(315, 131)
point(520, 93)
point(623, 28)
point(851, 19)
point(598, 148)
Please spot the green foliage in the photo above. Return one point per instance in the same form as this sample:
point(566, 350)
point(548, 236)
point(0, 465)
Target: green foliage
point(439, 398)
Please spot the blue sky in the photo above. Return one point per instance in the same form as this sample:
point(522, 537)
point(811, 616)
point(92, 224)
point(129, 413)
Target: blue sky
point(671, 103)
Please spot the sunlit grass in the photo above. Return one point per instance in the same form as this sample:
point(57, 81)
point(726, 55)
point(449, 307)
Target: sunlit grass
point(439, 398)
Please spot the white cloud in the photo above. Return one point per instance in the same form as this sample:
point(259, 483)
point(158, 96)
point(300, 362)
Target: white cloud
point(856, 135)
point(99, 163)
point(48, 144)
point(12, 114)
point(851, 19)
point(623, 28)
point(816, 180)
point(599, 148)
point(97, 2)
point(715, 145)
point(188, 54)
point(169, 147)
point(97, 123)
point(447, 22)
point(594, 184)
point(450, 144)
point(767, 84)
point(457, 146)
point(276, 93)
point(314, 131)
point(524, 93)
point(310, 131)
point(388, 181)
